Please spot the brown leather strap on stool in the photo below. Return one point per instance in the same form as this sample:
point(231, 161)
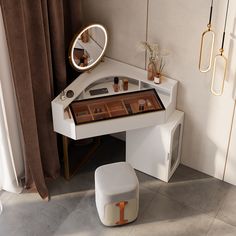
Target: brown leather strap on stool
point(121, 205)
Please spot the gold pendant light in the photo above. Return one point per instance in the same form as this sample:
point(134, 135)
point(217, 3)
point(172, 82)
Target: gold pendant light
point(208, 38)
point(220, 64)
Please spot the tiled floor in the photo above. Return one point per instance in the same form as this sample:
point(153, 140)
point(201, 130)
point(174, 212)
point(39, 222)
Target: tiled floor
point(192, 203)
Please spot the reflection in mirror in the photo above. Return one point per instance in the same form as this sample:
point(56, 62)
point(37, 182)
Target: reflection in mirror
point(88, 47)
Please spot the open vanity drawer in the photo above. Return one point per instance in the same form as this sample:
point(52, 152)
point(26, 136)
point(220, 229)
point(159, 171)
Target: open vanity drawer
point(116, 106)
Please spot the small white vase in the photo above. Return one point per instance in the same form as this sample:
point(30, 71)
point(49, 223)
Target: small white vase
point(157, 80)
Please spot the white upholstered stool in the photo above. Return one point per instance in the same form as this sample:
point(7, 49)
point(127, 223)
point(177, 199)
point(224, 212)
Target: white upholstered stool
point(116, 193)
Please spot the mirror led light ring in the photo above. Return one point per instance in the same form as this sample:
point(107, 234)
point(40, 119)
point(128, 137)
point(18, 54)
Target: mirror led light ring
point(78, 37)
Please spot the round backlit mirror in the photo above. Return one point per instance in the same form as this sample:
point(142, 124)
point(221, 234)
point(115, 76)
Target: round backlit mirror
point(88, 47)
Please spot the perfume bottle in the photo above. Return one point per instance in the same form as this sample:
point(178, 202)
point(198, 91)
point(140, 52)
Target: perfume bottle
point(116, 86)
point(125, 84)
point(141, 104)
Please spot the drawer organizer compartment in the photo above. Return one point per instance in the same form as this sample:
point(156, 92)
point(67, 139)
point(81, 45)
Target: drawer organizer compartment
point(115, 106)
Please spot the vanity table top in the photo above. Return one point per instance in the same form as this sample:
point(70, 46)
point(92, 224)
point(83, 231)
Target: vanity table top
point(112, 68)
point(64, 123)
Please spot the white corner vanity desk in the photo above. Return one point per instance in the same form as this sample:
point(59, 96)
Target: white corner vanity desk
point(91, 106)
point(153, 139)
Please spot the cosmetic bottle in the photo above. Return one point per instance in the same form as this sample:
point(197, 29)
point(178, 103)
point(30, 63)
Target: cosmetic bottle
point(141, 104)
point(148, 102)
point(125, 84)
point(116, 84)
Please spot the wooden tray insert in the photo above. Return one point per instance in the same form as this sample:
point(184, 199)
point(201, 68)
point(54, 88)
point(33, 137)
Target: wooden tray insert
point(81, 113)
point(99, 110)
point(114, 106)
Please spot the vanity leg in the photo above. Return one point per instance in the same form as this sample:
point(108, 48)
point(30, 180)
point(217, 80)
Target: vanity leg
point(87, 156)
point(67, 173)
point(66, 158)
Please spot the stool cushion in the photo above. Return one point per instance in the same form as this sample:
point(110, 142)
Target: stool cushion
point(114, 183)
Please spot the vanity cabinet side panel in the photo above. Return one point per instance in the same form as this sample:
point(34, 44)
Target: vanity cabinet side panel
point(149, 150)
point(62, 124)
point(146, 152)
point(175, 142)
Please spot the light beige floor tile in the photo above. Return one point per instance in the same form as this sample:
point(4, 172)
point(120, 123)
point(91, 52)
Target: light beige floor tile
point(206, 194)
point(219, 228)
point(148, 181)
point(167, 217)
point(176, 208)
point(227, 212)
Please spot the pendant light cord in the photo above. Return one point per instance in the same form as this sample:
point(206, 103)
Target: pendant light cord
point(209, 24)
point(226, 16)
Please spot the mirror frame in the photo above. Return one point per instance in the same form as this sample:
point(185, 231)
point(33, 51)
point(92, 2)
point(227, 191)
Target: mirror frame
point(72, 46)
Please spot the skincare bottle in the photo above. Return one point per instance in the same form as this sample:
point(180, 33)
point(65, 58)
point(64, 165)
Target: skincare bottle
point(116, 84)
point(125, 84)
point(141, 104)
point(149, 104)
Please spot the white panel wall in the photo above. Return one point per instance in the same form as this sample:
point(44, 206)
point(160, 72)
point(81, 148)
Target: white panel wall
point(125, 21)
point(177, 25)
point(230, 170)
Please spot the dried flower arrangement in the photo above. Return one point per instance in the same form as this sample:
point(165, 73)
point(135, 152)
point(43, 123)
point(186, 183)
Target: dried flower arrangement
point(156, 59)
point(152, 48)
point(161, 65)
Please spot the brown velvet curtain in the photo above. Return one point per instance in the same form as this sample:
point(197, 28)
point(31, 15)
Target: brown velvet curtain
point(38, 35)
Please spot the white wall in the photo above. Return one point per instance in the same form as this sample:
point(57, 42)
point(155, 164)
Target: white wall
point(125, 21)
point(177, 25)
point(230, 170)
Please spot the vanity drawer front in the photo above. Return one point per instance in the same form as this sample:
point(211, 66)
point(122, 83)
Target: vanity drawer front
point(116, 106)
point(120, 124)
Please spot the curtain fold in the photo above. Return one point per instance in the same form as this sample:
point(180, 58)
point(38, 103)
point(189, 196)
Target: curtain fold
point(36, 33)
point(11, 151)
